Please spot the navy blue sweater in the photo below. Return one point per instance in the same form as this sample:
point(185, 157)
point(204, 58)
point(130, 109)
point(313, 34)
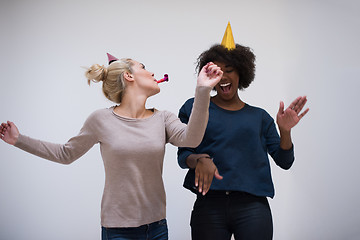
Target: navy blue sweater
point(239, 143)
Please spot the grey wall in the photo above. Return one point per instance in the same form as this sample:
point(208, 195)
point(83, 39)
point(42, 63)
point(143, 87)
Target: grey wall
point(302, 47)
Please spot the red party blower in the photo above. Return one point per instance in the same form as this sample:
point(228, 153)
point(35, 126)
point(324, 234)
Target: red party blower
point(165, 79)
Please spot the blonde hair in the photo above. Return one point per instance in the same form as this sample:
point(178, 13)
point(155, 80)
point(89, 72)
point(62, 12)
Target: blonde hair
point(112, 77)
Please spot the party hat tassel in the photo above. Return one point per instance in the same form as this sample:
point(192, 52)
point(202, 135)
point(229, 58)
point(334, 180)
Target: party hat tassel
point(228, 39)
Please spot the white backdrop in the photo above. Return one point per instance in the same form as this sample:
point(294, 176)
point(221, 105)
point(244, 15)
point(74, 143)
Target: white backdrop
point(302, 47)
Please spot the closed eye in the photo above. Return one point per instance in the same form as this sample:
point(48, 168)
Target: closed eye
point(229, 69)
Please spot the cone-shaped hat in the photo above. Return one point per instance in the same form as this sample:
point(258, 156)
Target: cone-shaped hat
point(111, 58)
point(228, 39)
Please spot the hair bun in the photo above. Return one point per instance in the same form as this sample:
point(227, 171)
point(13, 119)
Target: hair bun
point(96, 73)
point(104, 73)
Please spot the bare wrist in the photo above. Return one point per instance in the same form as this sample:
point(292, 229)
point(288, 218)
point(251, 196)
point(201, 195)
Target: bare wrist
point(203, 158)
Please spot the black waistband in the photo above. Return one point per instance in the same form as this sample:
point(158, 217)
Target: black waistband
point(226, 193)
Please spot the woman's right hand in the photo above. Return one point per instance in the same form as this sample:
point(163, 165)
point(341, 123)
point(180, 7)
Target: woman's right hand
point(205, 171)
point(209, 75)
point(9, 133)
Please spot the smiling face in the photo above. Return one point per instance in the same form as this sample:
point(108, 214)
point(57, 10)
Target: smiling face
point(227, 88)
point(144, 79)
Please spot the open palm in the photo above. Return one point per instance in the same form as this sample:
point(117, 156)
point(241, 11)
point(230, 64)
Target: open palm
point(291, 116)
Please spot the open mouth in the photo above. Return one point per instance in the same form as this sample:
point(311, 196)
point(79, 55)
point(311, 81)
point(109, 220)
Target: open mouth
point(225, 87)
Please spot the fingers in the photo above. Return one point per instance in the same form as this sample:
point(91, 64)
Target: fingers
point(201, 180)
point(209, 75)
point(197, 174)
point(217, 175)
point(281, 107)
point(212, 70)
point(293, 105)
point(9, 133)
point(4, 125)
point(303, 114)
point(3, 129)
point(301, 104)
point(205, 184)
point(205, 172)
point(298, 104)
point(292, 115)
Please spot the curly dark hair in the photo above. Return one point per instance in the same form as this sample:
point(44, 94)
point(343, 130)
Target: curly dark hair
point(241, 58)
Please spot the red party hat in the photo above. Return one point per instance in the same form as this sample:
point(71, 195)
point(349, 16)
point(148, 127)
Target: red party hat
point(111, 58)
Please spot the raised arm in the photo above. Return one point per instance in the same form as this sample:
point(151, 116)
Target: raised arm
point(289, 118)
point(191, 135)
point(209, 75)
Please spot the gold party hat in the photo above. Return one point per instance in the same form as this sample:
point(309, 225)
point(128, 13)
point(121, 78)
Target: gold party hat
point(228, 39)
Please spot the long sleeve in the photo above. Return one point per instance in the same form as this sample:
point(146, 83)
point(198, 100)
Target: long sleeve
point(190, 135)
point(61, 153)
point(239, 143)
point(184, 152)
point(282, 158)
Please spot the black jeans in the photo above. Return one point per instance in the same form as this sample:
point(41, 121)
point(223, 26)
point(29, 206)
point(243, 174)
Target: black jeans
point(220, 214)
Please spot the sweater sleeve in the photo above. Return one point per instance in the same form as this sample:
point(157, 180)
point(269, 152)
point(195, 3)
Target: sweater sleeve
point(61, 153)
point(190, 135)
point(282, 158)
point(184, 152)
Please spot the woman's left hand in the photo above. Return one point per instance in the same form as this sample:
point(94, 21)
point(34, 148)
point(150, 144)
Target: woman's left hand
point(209, 75)
point(291, 116)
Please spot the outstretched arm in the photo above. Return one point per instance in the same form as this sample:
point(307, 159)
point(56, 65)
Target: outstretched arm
point(289, 118)
point(9, 133)
point(61, 153)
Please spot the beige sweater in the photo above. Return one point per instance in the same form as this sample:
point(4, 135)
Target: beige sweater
point(133, 153)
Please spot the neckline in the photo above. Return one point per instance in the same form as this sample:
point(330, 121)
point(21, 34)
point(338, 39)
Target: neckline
point(230, 111)
point(155, 111)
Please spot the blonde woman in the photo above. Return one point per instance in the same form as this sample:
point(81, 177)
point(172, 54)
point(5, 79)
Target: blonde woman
point(132, 141)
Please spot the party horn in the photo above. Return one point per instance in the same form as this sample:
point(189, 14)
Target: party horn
point(165, 79)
